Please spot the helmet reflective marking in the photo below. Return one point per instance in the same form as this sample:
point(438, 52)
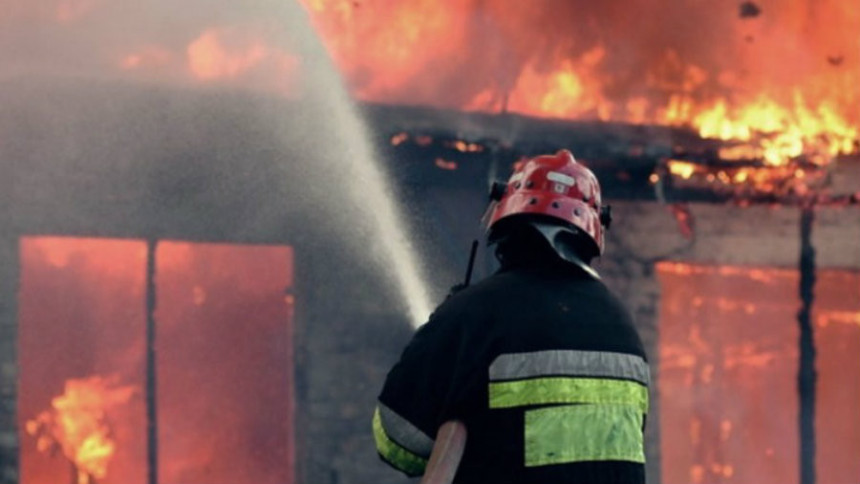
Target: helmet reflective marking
point(560, 178)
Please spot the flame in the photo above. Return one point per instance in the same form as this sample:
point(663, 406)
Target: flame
point(209, 57)
point(780, 83)
point(243, 56)
point(683, 169)
point(404, 37)
point(785, 132)
point(77, 424)
point(95, 288)
point(780, 79)
point(571, 90)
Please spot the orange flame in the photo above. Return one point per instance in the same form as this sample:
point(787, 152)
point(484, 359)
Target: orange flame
point(209, 57)
point(245, 57)
point(784, 132)
point(778, 81)
point(77, 424)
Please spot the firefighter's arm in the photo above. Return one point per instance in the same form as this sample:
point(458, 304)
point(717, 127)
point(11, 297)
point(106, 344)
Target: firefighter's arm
point(447, 452)
point(405, 420)
point(413, 405)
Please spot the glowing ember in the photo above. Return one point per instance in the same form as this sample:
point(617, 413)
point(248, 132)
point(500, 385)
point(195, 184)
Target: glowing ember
point(464, 147)
point(793, 177)
point(77, 424)
point(682, 168)
point(445, 164)
point(399, 138)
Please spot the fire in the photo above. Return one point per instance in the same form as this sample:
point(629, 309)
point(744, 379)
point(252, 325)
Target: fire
point(778, 81)
point(209, 57)
point(784, 132)
point(778, 78)
point(243, 56)
point(407, 38)
point(682, 168)
point(83, 313)
point(78, 426)
point(564, 92)
point(238, 56)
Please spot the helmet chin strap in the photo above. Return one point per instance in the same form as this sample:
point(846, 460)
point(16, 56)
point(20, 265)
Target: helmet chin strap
point(553, 234)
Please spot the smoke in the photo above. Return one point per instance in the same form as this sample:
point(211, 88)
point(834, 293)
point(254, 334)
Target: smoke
point(462, 52)
point(260, 47)
point(354, 170)
point(234, 43)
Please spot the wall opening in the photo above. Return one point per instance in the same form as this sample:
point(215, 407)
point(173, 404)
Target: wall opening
point(224, 362)
point(728, 374)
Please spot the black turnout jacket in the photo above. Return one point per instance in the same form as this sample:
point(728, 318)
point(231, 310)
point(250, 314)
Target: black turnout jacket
point(544, 367)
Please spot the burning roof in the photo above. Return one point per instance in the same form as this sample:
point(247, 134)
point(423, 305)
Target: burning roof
point(686, 62)
point(759, 78)
point(774, 84)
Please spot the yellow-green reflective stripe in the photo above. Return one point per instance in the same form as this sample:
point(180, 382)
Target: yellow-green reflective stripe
point(578, 433)
point(395, 454)
point(543, 391)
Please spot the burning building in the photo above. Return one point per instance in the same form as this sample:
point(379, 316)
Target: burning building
point(185, 296)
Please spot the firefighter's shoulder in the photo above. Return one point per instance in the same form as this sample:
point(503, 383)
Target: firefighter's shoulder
point(471, 301)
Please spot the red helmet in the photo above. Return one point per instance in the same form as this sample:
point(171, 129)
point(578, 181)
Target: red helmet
point(555, 187)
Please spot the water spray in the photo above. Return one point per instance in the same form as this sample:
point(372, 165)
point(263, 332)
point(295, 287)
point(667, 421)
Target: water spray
point(354, 166)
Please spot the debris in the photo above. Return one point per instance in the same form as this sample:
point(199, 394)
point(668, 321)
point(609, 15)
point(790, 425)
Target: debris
point(749, 10)
point(835, 60)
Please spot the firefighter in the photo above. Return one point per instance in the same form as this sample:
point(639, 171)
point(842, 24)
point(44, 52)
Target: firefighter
point(539, 364)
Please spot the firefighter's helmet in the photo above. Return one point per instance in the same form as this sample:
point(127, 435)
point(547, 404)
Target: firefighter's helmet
point(556, 195)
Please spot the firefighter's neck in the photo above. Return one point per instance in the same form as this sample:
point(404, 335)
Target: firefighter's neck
point(526, 252)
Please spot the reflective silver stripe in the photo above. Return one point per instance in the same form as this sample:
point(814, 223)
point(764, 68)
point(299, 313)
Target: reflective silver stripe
point(570, 363)
point(404, 433)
